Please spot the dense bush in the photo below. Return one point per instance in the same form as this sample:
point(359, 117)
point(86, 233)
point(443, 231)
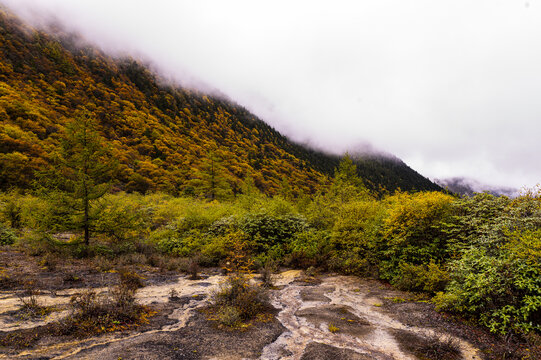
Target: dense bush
point(309, 248)
point(477, 220)
point(7, 235)
point(270, 234)
point(122, 217)
point(412, 232)
point(10, 208)
point(423, 278)
point(354, 238)
point(504, 289)
point(496, 271)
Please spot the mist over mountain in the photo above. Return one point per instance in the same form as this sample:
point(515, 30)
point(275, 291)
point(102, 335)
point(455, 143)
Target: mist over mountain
point(464, 186)
point(393, 73)
point(165, 137)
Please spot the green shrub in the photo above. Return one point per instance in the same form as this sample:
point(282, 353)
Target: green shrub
point(201, 215)
point(214, 250)
point(7, 235)
point(223, 226)
point(164, 209)
point(248, 299)
point(267, 231)
point(309, 248)
point(426, 278)
point(36, 243)
point(122, 218)
point(11, 208)
point(321, 213)
point(412, 231)
point(36, 213)
point(351, 264)
point(165, 239)
point(181, 244)
point(355, 237)
point(478, 220)
point(502, 289)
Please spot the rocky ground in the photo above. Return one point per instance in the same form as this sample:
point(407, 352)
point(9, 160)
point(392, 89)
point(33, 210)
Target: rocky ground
point(323, 317)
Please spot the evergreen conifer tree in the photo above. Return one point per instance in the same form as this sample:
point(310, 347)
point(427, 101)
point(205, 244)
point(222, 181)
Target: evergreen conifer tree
point(81, 174)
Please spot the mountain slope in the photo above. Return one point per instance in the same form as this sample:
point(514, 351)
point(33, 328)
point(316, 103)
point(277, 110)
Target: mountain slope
point(162, 136)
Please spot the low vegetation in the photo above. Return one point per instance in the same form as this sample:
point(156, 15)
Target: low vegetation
point(31, 307)
point(91, 313)
point(476, 256)
point(239, 300)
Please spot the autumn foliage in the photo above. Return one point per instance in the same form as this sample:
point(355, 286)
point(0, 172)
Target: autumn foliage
point(164, 138)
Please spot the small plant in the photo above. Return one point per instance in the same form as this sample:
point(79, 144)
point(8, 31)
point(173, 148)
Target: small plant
point(397, 299)
point(248, 299)
point(173, 295)
point(123, 299)
point(441, 349)
point(172, 264)
point(7, 282)
point(333, 329)
point(133, 259)
point(85, 302)
point(130, 279)
point(311, 271)
point(432, 347)
point(266, 273)
point(193, 268)
point(155, 260)
point(103, 263)
point(30, 306)
point(71, 278)
point(49, 262)
point(229, 316)
point(190, 266)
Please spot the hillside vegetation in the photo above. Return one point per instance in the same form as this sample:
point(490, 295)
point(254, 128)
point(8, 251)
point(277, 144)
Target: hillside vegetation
point(165, 138)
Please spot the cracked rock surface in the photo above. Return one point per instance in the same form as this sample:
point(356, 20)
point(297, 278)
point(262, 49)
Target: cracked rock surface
point(331, 317)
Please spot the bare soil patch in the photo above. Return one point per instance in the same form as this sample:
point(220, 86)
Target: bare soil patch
point(340, 317)
point(318, 351)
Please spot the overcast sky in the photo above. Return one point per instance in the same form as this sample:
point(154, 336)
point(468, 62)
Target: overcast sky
point(451, 87)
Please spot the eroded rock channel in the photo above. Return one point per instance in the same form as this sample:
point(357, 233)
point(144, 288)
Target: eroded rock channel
point(332, 317)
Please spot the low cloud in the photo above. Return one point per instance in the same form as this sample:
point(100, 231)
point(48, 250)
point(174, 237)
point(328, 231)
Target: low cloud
point(450, 87)
point(469, 187)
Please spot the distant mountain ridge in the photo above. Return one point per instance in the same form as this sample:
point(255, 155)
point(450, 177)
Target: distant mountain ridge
point(468, 187)
point(162, 135)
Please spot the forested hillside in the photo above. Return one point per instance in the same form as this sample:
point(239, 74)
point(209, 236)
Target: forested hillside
point(165, 138)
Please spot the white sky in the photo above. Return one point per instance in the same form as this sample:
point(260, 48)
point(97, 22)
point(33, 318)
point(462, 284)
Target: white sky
point(452, 87)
